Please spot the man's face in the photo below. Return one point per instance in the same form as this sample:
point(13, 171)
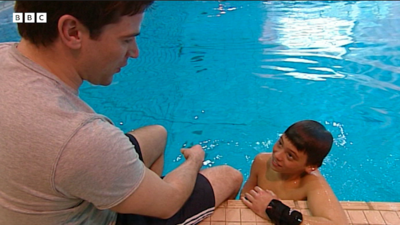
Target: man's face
point(286, 158)
point(103, 57)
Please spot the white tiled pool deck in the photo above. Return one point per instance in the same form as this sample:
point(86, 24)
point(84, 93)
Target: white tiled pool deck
point(234, 212)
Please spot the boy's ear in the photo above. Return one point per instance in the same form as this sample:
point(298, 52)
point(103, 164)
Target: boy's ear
point(311, 168)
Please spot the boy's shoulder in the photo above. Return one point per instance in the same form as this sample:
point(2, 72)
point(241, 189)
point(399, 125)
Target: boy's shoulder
point(264, 156)
point(261, 160)
point(314, 180)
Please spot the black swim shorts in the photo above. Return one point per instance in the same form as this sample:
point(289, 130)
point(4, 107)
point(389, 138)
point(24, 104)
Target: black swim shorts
point(200, 204)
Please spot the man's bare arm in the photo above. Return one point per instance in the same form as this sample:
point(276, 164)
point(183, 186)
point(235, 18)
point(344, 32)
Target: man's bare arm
point(162, 198)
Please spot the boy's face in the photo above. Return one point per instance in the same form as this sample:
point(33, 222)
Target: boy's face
point(287, 159)
point(105, 56)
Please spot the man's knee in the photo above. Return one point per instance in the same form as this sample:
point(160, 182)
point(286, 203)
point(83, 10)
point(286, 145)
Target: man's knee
point(151, 137)
point(233, 174)
point(159, 130)
point(225, 181)
point(152, 140)
point(226, 172)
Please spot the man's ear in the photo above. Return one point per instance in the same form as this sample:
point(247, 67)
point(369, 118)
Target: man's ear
point(70, 31)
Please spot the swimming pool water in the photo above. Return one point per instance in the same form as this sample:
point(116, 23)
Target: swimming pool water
point(232, 76)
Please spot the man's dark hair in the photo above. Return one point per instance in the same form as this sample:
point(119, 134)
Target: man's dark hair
point(92, 14)
point(311, 137)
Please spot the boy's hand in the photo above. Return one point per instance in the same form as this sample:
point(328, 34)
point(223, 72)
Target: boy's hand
point(258, 200)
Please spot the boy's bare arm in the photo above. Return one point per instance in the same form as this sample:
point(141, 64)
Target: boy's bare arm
point(323, 204)
point(252, 180)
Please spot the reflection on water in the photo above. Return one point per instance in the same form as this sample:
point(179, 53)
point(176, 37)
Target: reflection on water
point(360, 32)
point(307, 30)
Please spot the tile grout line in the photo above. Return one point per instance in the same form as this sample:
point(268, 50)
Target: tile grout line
point(370, 206)
point(296, 205)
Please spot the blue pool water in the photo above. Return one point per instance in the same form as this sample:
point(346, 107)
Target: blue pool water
point(232, 76)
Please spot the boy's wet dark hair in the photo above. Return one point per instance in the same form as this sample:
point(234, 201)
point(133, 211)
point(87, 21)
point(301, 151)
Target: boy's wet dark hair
point(92, 14)
point(311, 137)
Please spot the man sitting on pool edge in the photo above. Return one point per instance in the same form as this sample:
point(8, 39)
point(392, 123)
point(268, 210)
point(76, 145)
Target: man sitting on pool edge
point(291, 173)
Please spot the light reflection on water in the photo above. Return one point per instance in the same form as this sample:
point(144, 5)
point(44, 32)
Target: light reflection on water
point(341, 31)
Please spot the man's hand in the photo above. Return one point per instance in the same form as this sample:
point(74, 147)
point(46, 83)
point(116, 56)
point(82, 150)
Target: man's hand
point(169, 194)
point(258, 200)
point(195, 153)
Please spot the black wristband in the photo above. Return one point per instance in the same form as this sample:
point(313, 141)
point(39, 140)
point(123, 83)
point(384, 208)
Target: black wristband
point(281, 214)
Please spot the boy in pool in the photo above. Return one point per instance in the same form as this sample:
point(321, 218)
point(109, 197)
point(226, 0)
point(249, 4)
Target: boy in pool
point(290, 172)
point(63, 163)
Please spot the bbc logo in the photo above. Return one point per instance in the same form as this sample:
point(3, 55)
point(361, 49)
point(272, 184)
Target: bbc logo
point(30, 17)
